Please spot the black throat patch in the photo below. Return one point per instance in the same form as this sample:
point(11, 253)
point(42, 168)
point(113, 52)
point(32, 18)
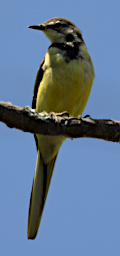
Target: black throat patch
point(70, 50)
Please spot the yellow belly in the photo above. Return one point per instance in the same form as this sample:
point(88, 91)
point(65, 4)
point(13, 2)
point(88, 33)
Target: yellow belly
point(64, 87)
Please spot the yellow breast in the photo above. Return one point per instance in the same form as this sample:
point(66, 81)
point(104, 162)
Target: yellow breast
point(65, 86)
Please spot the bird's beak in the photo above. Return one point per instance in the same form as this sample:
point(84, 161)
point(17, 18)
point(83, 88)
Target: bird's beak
point(38, 27)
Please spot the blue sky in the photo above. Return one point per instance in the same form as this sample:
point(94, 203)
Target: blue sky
point(82, 211)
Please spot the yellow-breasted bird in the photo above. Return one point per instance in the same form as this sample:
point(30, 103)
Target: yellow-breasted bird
point(63, 83)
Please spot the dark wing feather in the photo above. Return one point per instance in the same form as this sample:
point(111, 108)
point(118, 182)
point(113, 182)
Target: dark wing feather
point(37, 83)
point(36, 86)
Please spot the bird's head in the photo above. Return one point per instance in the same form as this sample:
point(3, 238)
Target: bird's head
point(59, 30)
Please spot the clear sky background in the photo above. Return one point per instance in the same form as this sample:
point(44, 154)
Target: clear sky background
point(82, 211)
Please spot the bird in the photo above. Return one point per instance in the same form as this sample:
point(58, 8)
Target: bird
point(63, 83)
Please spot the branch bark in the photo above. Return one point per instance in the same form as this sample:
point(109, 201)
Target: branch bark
point(60, 124)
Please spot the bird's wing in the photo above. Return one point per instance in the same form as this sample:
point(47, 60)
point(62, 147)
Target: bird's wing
point(35, 91)
point(37, 83)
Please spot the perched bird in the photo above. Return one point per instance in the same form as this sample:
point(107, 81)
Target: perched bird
point(63, 83)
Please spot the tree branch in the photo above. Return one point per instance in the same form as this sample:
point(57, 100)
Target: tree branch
point(60, 124)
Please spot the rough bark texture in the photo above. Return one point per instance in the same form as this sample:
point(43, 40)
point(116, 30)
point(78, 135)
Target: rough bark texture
point(58, 124)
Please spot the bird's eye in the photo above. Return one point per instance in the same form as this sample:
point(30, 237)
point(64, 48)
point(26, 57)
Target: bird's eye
point(57, 25)
point(69, 38)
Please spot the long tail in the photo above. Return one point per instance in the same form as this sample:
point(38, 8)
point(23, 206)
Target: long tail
point(41, 182)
